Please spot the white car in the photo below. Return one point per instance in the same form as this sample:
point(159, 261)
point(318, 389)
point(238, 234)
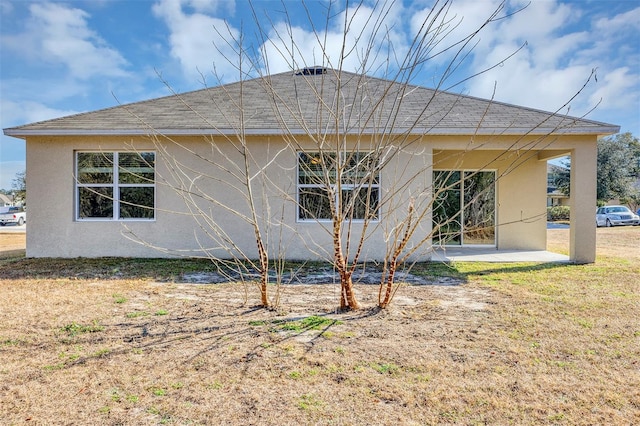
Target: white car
point(616, 215)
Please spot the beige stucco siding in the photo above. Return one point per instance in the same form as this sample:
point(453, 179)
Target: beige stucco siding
point(206, 170)
point(53, 231)
point(216, 171)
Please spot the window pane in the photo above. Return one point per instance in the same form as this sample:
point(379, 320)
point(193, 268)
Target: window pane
point(479, 208)
point(95, 167)
point(360, 203)
point(95, 202)
point(136, 167)
point(464, 207)
point(360, 168)
point(314, 203)
point(137, 203)
point(446, 208)
point(446, 178)
point(312, 168)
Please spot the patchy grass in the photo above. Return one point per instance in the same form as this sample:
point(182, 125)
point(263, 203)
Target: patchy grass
point(74, 329)
point(93, 341)
point(106, 268)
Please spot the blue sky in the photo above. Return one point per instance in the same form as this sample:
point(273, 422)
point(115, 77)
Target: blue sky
point(64, 57)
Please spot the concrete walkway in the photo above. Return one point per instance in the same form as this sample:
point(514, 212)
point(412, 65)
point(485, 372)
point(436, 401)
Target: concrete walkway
point(476, 254)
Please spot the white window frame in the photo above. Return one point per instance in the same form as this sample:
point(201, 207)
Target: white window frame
point(115, 186)
point(334, 187)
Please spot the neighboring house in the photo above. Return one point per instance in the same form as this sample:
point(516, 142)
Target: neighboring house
point(5, 201)
point(555, 197)
point(79, 207)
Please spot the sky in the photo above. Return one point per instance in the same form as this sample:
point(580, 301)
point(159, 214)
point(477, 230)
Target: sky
point(65, 57)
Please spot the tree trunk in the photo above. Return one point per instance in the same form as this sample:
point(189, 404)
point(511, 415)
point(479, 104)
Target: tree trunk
point(264, 273)
point(347, 296)
point(393, 261)
point(393, 265)
point(348, 299)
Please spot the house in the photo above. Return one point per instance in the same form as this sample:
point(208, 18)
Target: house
point(555, 197)
point(5, 201)
point(177, 187)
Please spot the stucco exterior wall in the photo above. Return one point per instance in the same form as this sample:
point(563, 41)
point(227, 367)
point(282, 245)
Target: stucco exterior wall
point(54, 231)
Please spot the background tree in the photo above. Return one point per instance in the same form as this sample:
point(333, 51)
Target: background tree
point(618, 170)
point(19, 188)
point(618, 166)
point(561, 176)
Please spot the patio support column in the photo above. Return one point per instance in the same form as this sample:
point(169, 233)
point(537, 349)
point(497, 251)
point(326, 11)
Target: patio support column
point(582, 234)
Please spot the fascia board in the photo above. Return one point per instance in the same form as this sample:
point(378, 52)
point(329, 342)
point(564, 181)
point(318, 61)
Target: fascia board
point(592, 130)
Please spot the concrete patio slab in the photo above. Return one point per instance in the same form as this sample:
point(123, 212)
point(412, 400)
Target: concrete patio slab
point(474, 254)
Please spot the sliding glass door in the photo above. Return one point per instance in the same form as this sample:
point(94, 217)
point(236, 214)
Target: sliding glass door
point(464, 207)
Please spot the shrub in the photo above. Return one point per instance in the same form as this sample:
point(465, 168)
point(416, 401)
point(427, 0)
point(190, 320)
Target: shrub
point(558, 213)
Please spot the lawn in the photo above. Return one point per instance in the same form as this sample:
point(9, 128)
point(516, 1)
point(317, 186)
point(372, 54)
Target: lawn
point(122, 341)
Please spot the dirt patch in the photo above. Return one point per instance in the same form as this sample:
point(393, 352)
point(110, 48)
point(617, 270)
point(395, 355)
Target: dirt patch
point(320, 275)
point(305, 300)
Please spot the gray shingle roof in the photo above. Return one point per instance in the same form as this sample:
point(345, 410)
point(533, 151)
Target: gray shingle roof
point(289, 103)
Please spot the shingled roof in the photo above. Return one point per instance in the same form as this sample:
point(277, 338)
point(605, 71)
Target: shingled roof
point(290, 103)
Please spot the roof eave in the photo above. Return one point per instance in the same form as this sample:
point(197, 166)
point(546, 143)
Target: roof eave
point(492, 131)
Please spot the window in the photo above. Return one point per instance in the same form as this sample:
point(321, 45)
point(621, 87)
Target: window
point(110, 192)
point(350, 182)
point(464, 207)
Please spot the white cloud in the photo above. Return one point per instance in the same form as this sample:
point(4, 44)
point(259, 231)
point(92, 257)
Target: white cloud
point(449, 24)
point(622, 22)
point(6, 7)
point(358, 39)
point(556, 63)
point(60, 35)
point(211, 5)
point(539, 20)
point(540, 26)
point(16, 113)
point(198, 41)
point(50, 89)
point(618, 89)
point(12, 150)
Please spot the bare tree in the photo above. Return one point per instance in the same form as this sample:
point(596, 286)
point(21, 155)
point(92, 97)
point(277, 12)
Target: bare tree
point(228, 166)
point(358, 128)
point(344, 132)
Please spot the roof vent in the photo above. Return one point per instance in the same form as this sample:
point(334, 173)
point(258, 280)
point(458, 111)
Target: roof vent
point(315, 70)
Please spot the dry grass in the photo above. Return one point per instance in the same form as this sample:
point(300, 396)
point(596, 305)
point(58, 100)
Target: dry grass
point(512, 344)
point(12, 244)
point(610, 242)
